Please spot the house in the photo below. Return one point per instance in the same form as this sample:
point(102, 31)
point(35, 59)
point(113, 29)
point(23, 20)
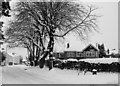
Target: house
point(12, 60)
point(9, 59)
point(90, 52)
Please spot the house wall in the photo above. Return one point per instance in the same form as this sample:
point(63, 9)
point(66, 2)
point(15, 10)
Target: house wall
point(12, 60)
point(70, 54)
point(8, 60)
point(58, 55)
point(91, 54)
point(79, 55)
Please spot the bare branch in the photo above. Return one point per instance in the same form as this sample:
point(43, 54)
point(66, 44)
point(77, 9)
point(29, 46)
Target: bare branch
point(76, 25)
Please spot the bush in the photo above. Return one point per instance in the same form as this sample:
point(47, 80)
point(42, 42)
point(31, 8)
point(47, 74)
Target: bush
point(101, 67)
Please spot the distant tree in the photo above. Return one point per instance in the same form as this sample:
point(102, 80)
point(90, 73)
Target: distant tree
point(102, 51)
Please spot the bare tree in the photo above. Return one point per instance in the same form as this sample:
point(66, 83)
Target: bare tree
point(54, 20)
point(23, 34)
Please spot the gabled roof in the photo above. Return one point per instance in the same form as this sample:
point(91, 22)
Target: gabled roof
point(90, 45)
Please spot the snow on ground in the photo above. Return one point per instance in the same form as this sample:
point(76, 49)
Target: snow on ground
point(33, 75)
point(96, 60)
point(101, 60)
point(0, 75)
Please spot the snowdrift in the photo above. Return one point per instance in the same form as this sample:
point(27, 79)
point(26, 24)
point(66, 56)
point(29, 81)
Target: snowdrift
point(34, 75)
point(101, 60)
point(94, 60)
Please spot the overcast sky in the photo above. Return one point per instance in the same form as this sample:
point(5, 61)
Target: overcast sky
point(107, 26)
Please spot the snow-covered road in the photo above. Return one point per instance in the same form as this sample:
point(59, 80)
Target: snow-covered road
point(0, 76)
point(18, 75)
point(34, 75)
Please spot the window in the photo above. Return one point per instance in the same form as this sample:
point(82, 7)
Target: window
point(78, 54)
point(70, 54)
point(87, 54)
point(59, 55)
point(81, 55)
point(92, 54)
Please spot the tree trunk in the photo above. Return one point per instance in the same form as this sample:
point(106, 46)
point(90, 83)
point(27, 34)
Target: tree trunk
point(47, 53)
point(42, 60)
point(50, 48)
point(30, 56)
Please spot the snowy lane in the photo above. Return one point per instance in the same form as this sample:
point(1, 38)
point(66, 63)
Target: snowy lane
point(34, 75)
point(16, 75)
point(0, 75)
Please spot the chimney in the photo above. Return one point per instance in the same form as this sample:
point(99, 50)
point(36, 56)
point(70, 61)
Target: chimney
point(96, 45)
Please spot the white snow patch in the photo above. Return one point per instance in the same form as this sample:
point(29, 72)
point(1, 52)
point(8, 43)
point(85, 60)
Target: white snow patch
point(72, 60)
point(0, 75)
point(101, 60)
point(21, 74)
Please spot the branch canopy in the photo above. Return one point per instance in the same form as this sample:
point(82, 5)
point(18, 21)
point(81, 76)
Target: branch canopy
point(37, 22)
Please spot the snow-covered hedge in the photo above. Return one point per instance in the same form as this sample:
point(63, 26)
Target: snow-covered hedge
point(102, 65)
